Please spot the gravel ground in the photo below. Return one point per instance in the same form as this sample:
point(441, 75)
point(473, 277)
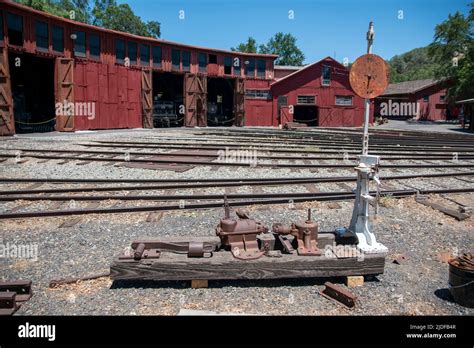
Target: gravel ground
point(426, 126)
point(416, 287)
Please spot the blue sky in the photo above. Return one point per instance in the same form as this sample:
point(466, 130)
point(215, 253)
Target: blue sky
point(322, 27)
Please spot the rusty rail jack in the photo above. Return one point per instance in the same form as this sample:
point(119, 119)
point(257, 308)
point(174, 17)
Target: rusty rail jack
point(306, 234)
point(240, 236)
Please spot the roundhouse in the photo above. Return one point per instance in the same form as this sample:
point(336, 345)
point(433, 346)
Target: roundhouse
point(60, 74)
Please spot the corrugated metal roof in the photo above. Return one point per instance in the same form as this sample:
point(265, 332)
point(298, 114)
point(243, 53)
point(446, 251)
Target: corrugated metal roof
point(408, 87)
point(132, 36)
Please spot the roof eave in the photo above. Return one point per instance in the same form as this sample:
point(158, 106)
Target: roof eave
point(133, 36)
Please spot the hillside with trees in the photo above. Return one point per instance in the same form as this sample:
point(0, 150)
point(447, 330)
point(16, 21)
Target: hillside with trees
point(416, 64)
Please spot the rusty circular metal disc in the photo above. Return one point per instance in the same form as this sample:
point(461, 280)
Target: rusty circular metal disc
point(369, 76)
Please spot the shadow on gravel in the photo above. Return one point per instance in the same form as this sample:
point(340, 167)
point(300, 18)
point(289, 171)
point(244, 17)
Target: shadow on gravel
point(444, 294)
point(237, 283)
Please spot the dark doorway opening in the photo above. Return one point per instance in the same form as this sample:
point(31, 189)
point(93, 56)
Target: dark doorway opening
point(32, 82)
point(307, 114)
point(168, 101)
point(220, 101)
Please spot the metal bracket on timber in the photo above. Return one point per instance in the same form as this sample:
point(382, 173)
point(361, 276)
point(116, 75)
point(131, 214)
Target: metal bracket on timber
point(190, 258)
point(243, 248)
point(240, 236)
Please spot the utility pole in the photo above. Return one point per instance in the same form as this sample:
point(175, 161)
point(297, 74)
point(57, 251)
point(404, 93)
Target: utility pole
point(365, 144)
point(366, 78)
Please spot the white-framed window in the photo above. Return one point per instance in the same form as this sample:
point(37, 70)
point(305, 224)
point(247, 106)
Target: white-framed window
point(344, 100)
point(258, 93)
point(306, 99)
point(326, 76)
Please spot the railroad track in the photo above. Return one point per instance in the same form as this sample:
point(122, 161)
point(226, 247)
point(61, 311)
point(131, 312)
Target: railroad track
point(276, 149)
point(343, 146)
point(173, 184)
point(72, 155)
point(212, 152)
point(215, 155)
point(377, 134)
point(235, 201)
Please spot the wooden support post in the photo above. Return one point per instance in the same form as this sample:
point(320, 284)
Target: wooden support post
point(354, 281)
point(199, 283)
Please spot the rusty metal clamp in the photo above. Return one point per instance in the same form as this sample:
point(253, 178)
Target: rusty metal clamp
point(197, 249)
point(152, 249)
point(306, 234)
point(240, 236)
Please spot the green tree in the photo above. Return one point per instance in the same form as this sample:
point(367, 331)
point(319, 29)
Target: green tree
point(453, 50)
point(284, 45)
point(416, 64)
point(79, 9)
point(110, 15)
point(248, 47)
point(105, 13)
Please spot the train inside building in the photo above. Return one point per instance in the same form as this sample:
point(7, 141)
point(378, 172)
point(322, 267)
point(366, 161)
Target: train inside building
point(57, 74)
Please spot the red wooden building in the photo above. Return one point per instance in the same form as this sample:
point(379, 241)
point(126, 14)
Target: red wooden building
point(419, 99)
point(57, 73)
point(318, 94)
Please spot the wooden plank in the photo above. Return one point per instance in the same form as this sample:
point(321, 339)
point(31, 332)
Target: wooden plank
point(354, 281)
point(199, 283)
point(463, 179)
point(448, 211)
point(257, 190)
point(55, 205)
point(154, 216)
point(83, 163)
point(85, 160)
point(75, 220)
point(311, 188)
point(224, 266)
point(19, 207)
point(345, 186)
point(63, 162)
point(70, 222)
point(334, 205)
point(230, 190)
point(34, 186)
point(180, 168)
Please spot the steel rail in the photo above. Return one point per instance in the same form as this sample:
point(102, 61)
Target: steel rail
point(292, 145)
point(266, 157)
point(212, 184)
point(385, 156)
point(223, 163)
point(298, 134)
point(186, 180)
point(308, 149)
point(285, 198)
point(311, 140)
